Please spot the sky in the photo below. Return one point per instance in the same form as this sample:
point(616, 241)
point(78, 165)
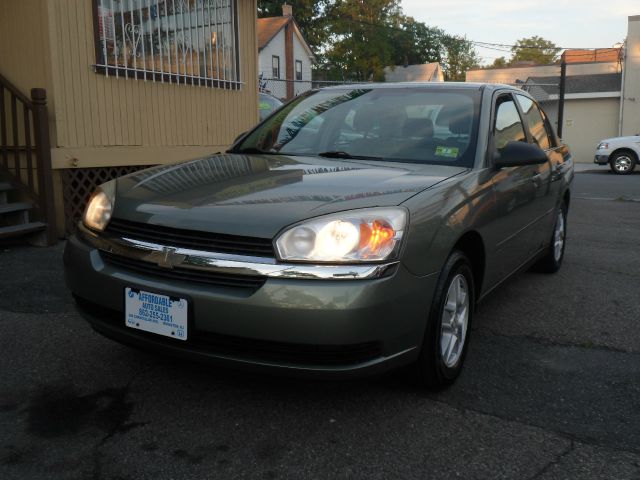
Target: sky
point(567, 23)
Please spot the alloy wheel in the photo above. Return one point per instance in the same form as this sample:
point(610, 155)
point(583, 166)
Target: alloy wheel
point(623, 163)
point(455, 320)
point(558, 237)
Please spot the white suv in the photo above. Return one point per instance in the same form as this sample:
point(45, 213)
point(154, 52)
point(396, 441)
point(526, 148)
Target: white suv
point(621, 153)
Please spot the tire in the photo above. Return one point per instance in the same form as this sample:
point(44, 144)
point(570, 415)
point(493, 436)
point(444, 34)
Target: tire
point(439, 363)
point(552, 261)
point(623, 163)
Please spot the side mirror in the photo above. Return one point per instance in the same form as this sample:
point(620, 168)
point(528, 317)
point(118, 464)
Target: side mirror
point(515, 154)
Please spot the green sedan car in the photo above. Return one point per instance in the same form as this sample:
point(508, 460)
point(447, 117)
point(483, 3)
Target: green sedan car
point(352, 232)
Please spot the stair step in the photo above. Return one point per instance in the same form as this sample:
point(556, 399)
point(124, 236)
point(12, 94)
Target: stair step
point(15, 207)
point(4, 186)
point(23, 229)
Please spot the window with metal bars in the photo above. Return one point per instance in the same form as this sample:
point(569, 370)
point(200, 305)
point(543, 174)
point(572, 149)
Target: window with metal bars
point(178, 41)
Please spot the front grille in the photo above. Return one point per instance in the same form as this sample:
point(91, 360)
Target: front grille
point(211, 278)
point(246, 348)
point(193, 239)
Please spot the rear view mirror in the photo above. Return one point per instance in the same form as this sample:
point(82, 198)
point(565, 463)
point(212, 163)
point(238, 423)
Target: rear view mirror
point(515, 154)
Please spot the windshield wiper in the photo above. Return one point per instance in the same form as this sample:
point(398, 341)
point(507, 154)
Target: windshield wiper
point(343, 154)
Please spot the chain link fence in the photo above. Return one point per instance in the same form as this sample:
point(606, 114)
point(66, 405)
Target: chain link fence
point(287, 89)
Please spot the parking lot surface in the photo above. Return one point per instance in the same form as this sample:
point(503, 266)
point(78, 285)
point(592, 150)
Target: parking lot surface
point(551, 387)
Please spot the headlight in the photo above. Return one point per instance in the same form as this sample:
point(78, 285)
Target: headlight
point(357, 236)
point(100, 207)
point(603, 146)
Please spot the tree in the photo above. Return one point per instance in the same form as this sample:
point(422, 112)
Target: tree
point(416, 43)
point(499, 62)
point(360, 40)
point(534, 49)
point(460, 56)
point(357, 39)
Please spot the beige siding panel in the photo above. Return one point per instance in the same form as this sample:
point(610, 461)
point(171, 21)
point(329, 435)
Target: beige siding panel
point(99, 111)
point(88, 157)
point(96, 117)
point(77, 73)
point(587, 122)
point(23, 44)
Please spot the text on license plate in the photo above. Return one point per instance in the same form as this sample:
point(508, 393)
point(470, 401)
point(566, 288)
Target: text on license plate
point(156, 313)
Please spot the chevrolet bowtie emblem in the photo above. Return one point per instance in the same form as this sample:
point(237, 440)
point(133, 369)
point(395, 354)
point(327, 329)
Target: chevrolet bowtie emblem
point(166, 258)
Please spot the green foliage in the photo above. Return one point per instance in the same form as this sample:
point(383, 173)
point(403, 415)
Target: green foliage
point(460, 57)
point(356, 39)
point(361, 37)
point(499, 62)
point(534, 49)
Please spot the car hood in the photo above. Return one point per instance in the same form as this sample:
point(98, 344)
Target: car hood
point(258, 195)
point(619, 140)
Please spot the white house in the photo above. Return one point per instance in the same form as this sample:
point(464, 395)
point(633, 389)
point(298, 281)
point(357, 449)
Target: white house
point(284, 56)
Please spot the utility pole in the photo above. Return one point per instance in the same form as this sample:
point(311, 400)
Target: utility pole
point(563, 85)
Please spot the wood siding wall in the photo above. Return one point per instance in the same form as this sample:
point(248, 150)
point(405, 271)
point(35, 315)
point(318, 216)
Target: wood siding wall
point(24, 46)
point(94, 111)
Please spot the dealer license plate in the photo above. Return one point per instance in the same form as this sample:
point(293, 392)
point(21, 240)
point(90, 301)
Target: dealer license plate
point(156, 313)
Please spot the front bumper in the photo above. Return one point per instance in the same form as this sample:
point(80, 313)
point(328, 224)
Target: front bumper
point(601, 159)
point(306, 326)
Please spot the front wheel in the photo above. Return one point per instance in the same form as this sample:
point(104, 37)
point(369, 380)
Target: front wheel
point(447, 335)
point(623, 163)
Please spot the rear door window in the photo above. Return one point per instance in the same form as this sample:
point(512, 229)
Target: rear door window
point(535, 122)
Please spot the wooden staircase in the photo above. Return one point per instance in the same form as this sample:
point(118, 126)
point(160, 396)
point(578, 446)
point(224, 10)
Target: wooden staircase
point(26, 184)
point(15, 216)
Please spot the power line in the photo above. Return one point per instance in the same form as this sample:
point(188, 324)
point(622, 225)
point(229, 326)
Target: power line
point(535, 47)
point(489, 45)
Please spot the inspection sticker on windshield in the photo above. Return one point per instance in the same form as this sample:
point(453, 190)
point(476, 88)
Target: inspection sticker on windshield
point(156, 313)
point(451, 152)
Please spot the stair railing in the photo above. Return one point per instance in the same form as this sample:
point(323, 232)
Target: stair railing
point(24, 134)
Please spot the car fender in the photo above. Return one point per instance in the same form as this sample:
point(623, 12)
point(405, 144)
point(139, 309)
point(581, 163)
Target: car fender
point(442, 215)
point(618, 146)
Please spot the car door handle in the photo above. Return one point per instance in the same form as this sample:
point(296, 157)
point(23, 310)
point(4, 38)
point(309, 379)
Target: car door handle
point(535, 178)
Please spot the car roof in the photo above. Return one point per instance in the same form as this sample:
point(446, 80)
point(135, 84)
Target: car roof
point(426, 85)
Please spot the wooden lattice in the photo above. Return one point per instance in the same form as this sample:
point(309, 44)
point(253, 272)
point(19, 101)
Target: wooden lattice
point(79, 183)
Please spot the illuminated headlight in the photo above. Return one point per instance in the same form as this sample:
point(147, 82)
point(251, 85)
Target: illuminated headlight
point(603, 146)
point(100, 207)
point(357, 236)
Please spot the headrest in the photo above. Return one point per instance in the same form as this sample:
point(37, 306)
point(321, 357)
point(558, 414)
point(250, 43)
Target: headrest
point(363, 119)
point(460, 125)
point(418, 127)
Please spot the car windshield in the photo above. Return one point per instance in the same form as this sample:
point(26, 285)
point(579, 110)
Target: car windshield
point(267, 105)
point(392, 124)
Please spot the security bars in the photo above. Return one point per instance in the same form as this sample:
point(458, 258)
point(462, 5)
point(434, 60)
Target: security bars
point(177, 41)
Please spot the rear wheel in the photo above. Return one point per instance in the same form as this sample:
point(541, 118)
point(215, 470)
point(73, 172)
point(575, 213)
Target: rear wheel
point(447, 335)
point(623, 163)
point(552, 261)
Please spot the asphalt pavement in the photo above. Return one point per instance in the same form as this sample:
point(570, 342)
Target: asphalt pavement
point(551, 387)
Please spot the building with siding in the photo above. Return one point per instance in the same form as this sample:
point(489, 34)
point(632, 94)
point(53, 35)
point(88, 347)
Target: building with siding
point(602, 97)
point(630, 109)
point(130, 83)
point(591, 108)
point(518, 74)
point(426, 72)
point(284, 56)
